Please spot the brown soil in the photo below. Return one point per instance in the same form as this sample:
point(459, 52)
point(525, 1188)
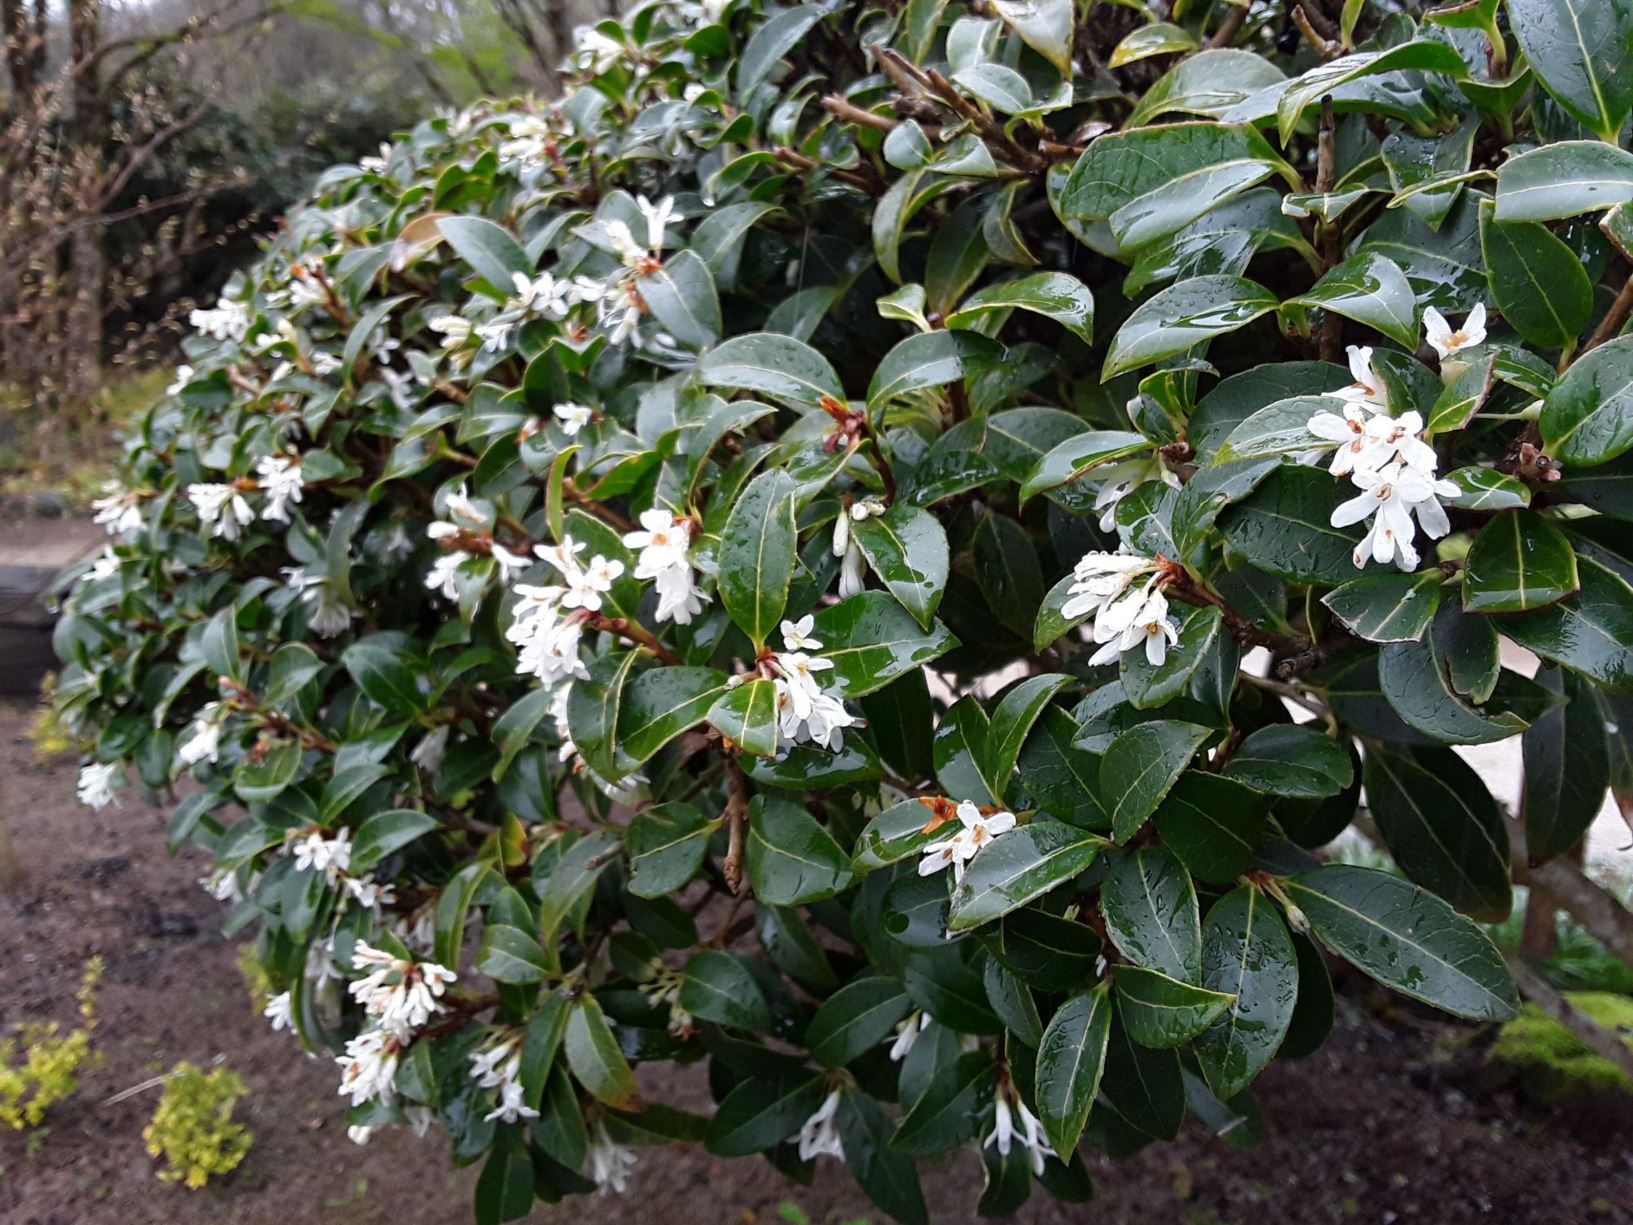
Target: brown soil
point(1387, 1123)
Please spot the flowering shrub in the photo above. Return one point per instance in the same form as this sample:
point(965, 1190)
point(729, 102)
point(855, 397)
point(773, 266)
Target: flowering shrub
point(869, 547)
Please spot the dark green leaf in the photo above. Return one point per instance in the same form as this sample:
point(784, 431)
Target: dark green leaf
point(1140, 766)
point(1246, 953)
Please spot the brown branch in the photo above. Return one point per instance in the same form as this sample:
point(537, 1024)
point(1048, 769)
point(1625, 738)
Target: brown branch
point(1611, 325)
point(606, 514)
point(635, 632)
point(840, 109)
point(1590, 904)
point(736, 815)
point(1229, 28)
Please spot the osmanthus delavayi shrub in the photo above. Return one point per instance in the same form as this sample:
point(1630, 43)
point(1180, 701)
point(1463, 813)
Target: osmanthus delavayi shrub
point(769, 562)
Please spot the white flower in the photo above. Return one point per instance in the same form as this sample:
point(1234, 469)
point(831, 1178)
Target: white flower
point(1444, 340)
point(852, 572)
point(184, 376)
point(402, 994)
point(280, 479)
point(619, 237)
point(596, 52)
point(511, 1107)
point(205, 741)
point(1117, 481)
point(223, 887)
point(1368, 388)
point(280, 1011)
point(658, 216)
point(907, 1033)
point(369, 893)
point(428, 753)
point(679, 597)
point(1396, 438)
point(360, 1133)
point(443, 577)
point(818, 1135)
point(494, 334)
point(1348, 431)
point(1147, 621)
point(822, 723)
point(796, 635)
point(540, 295)
point(376, 164)
point(510, 564)
point(453, 330)
point(610, 1163)
point(228, 321)
point(496, 1066)
point(585, 584)
point(119, 511)
point(1100, 578)
point(315, 853)
point(978, 831)
point(1392, 496)
point(573, 418)
point(661, 542)
point(369, 1067)
point(96, 784)
point(221, 505)
point(1030, 1133)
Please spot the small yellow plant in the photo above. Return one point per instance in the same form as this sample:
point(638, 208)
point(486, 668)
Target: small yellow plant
point(51, 1064)
point(49, 731)
point(193, 1128)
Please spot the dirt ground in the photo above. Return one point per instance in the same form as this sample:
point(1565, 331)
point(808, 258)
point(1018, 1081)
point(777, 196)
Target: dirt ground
point(1387, 1123)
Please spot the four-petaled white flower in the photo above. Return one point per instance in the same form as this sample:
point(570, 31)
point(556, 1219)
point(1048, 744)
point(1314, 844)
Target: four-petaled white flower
point(977, 831)
point(1445, 340)
point(96, 784)
point(819, 1134)
point(610, 1162)
point(280, 479)
point(1391, 496)
point(658, 216)
point(315, 853)
point(280, 1011)
point(662, 544)
point(573, 417)
point(796, 635)
point(1138, 619)
point(222, 506)
point(1368, 388)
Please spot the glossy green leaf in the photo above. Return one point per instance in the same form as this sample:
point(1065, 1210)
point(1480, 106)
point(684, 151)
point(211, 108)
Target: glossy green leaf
point(871, 640)
point(1162, 1012)
point(1283, 527)
point(1080, 455)
point(907, 548)
point(1246, 953)
point(1184, 316)
point(1567, 769)
point(491, 250)
point(1387, 607)
point(758, 1114)
point(386, 832)
point(855, 1019)
point(1417, 683)
point(716, 987)
point(1071, 1061)
point(666, 844)
point(747, 716)
point(1017, 867)
point(1537, 282)
point(773, 365)
point(931, 359)
point(1578, 50)
point(1587, 418)
point(594, 1057)
point(1422, 55)
point(1563, 180)
point(1010, 723)
point(1054, 295)
point(1151, 685)
point(1590, 632)
point(1518, 562)
point(1213, 824)
point(662, 703)
point(1140, 766)
point(1292, 759)
point(1407, 939)
point(682, 297)
point(791, 860)
point(1369, 288)
point(1486, 489)
point(948, 1114)
point(757, 554)
point(1150, 909)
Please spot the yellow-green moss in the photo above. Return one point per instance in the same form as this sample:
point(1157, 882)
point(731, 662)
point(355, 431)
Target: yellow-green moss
point(51, 1061)
point(1553, 1063)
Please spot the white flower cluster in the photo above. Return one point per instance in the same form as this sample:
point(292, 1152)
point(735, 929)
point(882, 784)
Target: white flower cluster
point(610, 1162)
point(1387, 460)
point(549, 619)
point(500, 1067)
point(662, 546)
point(223, 508)
point(661, 986)
point(804, 710)
point(229, 319)
point(119, 510)
point(399, 996)
point(1125, 615)
point(204, 736)
point(976, 831)
point(331, 856)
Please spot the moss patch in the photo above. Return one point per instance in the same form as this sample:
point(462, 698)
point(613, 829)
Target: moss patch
point(1554, 1064)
